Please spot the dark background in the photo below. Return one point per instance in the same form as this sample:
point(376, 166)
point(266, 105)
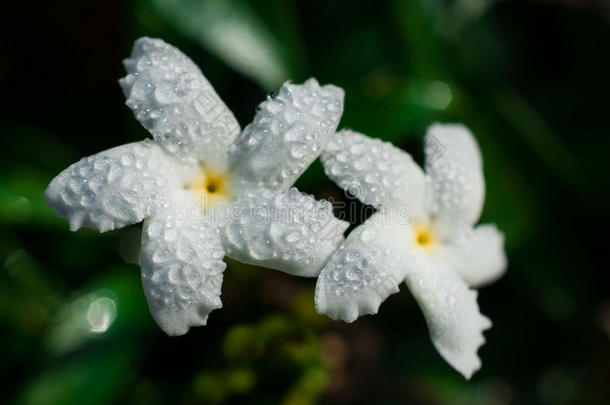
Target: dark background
point(530, 78)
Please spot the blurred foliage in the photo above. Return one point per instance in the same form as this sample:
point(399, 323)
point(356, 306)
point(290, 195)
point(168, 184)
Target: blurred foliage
point(529, 78)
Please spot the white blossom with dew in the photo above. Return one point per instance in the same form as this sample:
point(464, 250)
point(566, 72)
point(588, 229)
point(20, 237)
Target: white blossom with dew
point(200, 184)
point(423, 233)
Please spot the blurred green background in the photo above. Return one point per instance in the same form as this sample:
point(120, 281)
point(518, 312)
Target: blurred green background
point(530, 78)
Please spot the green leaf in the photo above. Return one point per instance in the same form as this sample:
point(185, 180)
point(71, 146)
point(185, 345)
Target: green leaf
point(91, 378)
point(233, 32)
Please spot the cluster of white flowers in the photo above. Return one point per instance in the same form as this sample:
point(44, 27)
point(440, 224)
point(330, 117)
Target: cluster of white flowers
point(205, 190)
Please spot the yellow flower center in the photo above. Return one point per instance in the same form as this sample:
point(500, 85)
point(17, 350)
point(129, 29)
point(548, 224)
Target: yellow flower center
point(423, 237)
point(210, 187)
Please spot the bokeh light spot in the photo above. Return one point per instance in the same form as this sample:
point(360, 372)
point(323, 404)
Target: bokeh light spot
point(101, 314)
point(437, 95)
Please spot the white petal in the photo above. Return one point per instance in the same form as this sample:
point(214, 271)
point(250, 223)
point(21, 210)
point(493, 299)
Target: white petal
point(456, 187)
point(451, 312)
point(287, 231)
point(289, 131)
point(173, 100)
point(375, 172)
point(364, 271)
point(182, 268)
point(477, 255)
point(114, 188)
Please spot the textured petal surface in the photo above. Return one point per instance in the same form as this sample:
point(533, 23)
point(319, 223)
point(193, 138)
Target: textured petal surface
point(456, 187)
point(452, 313)
point(174, 101)
point(287, 231)
point(364, 271)
point(375, 172)
point(477, 255)
point(182, 269)
point(114, 188)
point(288, 133)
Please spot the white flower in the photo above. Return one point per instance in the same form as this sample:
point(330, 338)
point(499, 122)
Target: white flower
point(202, 188)
point(422, 233)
